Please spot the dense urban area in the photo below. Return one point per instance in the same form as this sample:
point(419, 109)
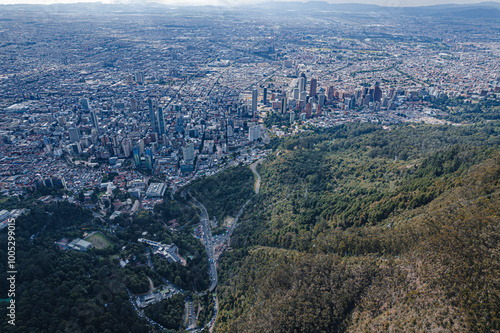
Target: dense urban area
point(133, 140)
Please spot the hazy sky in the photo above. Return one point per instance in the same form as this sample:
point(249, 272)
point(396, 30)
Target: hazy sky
point(394, 3)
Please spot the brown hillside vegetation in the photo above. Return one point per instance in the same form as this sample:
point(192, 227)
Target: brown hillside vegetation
point(428, 263)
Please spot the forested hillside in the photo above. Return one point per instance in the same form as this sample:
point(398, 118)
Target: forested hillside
point(357, 228)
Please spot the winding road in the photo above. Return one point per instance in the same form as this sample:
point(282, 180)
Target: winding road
point(254, 170)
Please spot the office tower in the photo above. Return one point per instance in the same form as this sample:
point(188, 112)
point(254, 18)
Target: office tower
point(179, 125)
point(322, 100)
point(74, 134)
point(265, 96)
point(292, 117)
point(84, 102)
point(161, 121)
point(352, 105)
point(303, 75)
point(303, 96)
point(284, 105)
point(377, 92)
point(255, 95)
point(133, 105)
point(188, 153)
point(94, 120)
point(312, 88)
point(152, 115)
point(254, 133)
point(137, 156)
point(296, 93)
point(139, 77)
point(308, 110)
point(127, 147)
point(302, 84)
point(148, 152)
point(318, 110)
point(141, 144)
point(331, 93)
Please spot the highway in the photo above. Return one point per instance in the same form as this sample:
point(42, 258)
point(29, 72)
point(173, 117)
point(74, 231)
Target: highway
point(207, 240)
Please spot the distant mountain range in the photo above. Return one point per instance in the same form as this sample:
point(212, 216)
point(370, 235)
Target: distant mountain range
point(483, 9)
point(478, 10)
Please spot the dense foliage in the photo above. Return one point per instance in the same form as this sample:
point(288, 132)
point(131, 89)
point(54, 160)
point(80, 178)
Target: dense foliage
point(70, 291)
point(167, 313)
point(224, 193)
point(345, 237)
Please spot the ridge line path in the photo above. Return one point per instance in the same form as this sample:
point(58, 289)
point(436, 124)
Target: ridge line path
point(254, 170)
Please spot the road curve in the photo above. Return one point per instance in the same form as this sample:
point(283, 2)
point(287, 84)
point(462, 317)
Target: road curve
point(254, 170)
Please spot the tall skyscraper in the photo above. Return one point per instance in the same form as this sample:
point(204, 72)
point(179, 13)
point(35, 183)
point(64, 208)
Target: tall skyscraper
point(265, 96)
point(331, 93)
point(152, 117)
point(377, 92)
point(133, 105)
point(137, 156)
point(322, 100)
point(312, 89)
point(94, 120)
point(302, 84)
point(284, 105)
point(148, 152)
point(74, 134)
point(127, 147)
point(84, 102)
point(161, 121)
point(255, 95)
point(188, 153)
point(308, 110)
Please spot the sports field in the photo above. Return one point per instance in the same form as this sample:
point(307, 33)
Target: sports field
point(99, 241)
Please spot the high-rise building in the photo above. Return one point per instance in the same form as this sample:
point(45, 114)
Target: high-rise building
point(152, 117)
point(188, 153)
point(148, 152)
point(137, 156)
point(292, 117)
point(308, 110)
point(296, 93)
point(313, 87)
point(265, 96)
point(322, 100)
point(179, 125)
point(377, 92)
point(161, 121)
point(84, 102)
point(284, 105)
point(303, 96)
point(94, 120)
point(318, 110)
point(139, 77)
point(254, 133)
point(74, 134)
point(331, 93)
point(302, 84)
point(255, 95)
point(133, 105)
point(127, 147)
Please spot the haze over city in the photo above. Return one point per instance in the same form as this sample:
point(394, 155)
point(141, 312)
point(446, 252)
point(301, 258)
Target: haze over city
point(390, 3)
point(249, 167)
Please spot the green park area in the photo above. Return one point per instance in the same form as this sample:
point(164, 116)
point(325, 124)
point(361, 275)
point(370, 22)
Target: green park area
point(99, 241)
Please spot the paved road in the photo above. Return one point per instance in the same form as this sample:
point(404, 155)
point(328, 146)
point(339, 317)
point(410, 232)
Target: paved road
point(207, 240)
point(254, 170)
